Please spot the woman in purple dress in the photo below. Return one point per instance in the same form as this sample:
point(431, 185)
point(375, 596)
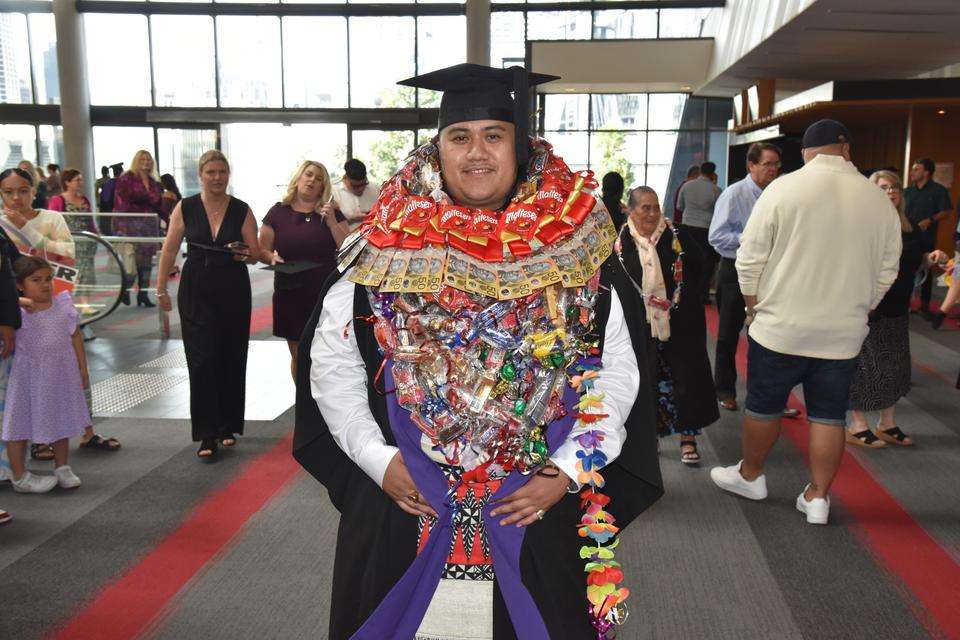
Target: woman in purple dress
point(301, 228)
point(139, 190)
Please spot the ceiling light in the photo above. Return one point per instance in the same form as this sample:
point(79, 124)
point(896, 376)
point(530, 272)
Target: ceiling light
point(941, 112)
point(685, 87)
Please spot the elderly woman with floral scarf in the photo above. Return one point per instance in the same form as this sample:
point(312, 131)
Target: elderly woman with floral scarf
point(668, 268)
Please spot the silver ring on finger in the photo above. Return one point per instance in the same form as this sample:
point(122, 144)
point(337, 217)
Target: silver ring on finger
point(540, 513)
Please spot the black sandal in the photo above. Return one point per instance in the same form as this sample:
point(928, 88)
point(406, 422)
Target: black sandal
point(97, 441)
point(894, 436)
point(208, 448)
point(228, 439)
point(689, 457)
point(866, 439)
point(42, 452)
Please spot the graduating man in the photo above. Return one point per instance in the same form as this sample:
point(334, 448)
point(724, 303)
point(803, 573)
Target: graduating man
point(472, 391)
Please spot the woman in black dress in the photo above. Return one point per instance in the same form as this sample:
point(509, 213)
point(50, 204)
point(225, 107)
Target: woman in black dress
point(884, 366)
point(667, 267)
point(214, 301)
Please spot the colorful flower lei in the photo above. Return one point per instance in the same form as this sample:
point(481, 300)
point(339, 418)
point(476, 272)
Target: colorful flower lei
point(606, 608)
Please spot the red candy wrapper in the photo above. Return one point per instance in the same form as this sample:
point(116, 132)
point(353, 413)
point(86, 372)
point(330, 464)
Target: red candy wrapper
point(521, 219)
point(454, 218)
point(551, 197)
point(418, 211)
point(484, 224)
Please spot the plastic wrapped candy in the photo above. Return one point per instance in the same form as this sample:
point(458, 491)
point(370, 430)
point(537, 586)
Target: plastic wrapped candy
point(409, 392)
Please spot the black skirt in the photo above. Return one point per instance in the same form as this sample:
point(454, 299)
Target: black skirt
point(883, 369)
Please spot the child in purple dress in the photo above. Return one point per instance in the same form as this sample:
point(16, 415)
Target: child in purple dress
point(45, 401)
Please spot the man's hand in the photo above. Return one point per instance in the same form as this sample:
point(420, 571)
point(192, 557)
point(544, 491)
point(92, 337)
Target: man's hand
point(925, 224)
point(9, 337)
point(539, 494)
point(938, 257)
point(398, 484)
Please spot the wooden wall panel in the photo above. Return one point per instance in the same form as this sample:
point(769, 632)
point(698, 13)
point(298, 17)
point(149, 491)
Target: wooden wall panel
point(937, 137)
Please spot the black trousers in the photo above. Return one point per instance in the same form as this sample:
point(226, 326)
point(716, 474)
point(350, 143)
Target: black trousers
point(702, 237)
point(214, 306)
point(730, 306)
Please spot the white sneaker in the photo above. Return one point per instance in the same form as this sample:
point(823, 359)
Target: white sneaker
point(66, 477)
point(729, 479)
point(30, 483)
point(817, 510)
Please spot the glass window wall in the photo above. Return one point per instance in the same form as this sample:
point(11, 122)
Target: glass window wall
point(641, 136)
point(15, 86)
point(315, 62)
point(43, 46)
point(381, 52)
point(183, 61)
point(118, 59)
point(249, 61)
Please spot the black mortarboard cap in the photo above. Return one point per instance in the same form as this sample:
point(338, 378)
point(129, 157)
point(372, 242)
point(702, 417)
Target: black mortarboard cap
point(477, 92)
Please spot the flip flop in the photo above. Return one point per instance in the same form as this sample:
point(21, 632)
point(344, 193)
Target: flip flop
point(97, 441)
point(866, 439)
point(894, 436)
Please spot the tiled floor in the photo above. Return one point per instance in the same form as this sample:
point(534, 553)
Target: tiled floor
point(148, 379)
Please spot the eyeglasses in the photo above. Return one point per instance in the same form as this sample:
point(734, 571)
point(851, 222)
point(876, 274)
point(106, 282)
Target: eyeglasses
point(771, 165)
point(890, 187)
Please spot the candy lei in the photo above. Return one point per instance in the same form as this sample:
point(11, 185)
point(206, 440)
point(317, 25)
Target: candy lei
point(677, 270)
point(485, 316)
point(483, 381)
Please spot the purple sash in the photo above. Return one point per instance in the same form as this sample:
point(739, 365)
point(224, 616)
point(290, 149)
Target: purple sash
point(399, 615)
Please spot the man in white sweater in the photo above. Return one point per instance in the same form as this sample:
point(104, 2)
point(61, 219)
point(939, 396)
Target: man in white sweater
point(818, 253)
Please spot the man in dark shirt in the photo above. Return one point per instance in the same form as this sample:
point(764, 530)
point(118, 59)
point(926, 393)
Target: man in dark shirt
point(927, 203)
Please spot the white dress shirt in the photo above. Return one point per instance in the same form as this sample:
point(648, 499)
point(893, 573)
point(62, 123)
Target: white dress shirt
point(353, 207)
point(338, 381)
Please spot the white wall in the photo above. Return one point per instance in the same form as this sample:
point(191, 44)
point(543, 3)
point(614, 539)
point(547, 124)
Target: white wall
point(623, 65)
point(744, 24)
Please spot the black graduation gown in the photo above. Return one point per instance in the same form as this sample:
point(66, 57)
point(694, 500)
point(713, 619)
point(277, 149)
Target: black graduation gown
point(686, 351)
point(376, 541)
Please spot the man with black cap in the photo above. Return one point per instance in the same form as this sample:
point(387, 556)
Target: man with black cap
point(354, 195)
point(818, 253)
point(472, 372)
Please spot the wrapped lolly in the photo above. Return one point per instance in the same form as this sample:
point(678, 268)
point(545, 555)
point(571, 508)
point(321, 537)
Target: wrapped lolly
point(546, 381)
point(481, 391)
point(386, 336)
point(407, 349)
point(409, 392)
point(498, 338)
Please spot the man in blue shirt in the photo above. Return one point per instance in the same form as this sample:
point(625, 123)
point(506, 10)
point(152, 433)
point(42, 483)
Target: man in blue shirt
point(730, 216)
